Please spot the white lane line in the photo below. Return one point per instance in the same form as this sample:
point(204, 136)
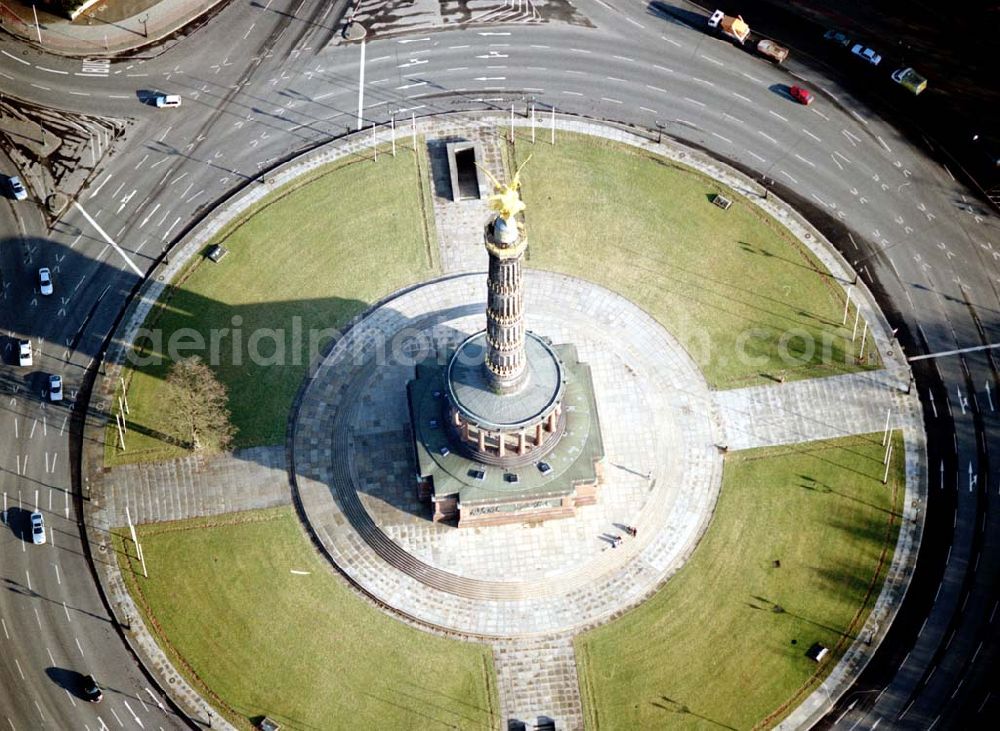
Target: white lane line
point(116, 717)
point(816, 111)
point(609, 99)
point(852, 138)
point(107, 238)
point(19, 671)
point(66, 610)
point(572, 93)
point(663, 68)
point(101, 185)
point(842, 156)
point(635, 22)
point(579, 50)
point(614, 78)
point(882, 142)
point(820, 200)
point(647, 109)
point(79, 646)
point(361, 84)
point(727, 115)
point(656, 88)
point(859, 118)
point(119, 96)
point(754, 154)
point(724, 139)
point(751, 77)
point(19, 60)
point(789, 177)
point(43, 88)
point(775, 114)
point(249, 30)
point(4, 624)
point(807, 162)
point(703, 81)
point(149, 215)
point(625, 58)
point(671, 40)
point(80, 93)
point(694, 101)
point(766, 136)
point(458, 68)
point(712, 60)
point(811, 135)
point(52, 71)
point(744, 98)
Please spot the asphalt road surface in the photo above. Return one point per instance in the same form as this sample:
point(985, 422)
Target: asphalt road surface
point(262, 82)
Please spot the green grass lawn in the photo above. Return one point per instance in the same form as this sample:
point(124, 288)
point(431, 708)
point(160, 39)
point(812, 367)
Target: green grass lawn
point(709, 650)
point(310, 258)
point(647, 229)
point(301, 648)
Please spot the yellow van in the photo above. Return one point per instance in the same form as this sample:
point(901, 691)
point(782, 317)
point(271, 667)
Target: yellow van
point(910, 79)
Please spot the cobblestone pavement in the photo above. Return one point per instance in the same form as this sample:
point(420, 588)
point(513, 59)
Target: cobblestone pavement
point(813, 409)
point(662, 468)
point(195, 486)
point(537, 679)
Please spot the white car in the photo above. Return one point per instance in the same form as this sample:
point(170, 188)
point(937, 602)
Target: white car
point(37, 528)
point(24, 353)
point(867, 54)
point(17, 188)
point(45, 281)
point(168, 100)
point(55, 388)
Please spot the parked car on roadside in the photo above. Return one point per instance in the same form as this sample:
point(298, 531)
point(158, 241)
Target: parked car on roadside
point(772, 50)
point(866, 54)
point(909, 80)
point(837, 37)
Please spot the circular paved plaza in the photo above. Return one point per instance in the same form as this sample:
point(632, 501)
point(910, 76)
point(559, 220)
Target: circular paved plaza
point(355, 475)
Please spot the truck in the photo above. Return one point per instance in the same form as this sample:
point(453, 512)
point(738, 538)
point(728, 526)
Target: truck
point(729, 26)
point(772, 50)
point(910, 80)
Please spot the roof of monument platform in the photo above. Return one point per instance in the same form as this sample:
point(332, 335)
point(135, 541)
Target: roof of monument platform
point(572, 460)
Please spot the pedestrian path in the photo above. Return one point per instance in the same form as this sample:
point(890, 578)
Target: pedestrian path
point(460, 223)
point(196, 486)
point(813, 409)
point(537, 681)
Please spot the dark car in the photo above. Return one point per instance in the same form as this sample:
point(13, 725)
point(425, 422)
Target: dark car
point(91, 690)
point(802, 96)
point(837, 37)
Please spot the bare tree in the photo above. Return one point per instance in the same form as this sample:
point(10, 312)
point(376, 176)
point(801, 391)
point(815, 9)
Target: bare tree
point(198, 406)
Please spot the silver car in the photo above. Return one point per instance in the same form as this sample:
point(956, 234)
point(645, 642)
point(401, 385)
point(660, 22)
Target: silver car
point(867, 54)
point(17, 188)
point(37, 528)
point(24, 353)
point(55, 388)
point(45, 281)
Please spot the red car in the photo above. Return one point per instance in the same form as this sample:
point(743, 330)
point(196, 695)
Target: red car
point(802, 96)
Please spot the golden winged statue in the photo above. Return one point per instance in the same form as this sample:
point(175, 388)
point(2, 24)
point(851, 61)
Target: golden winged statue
point(507, 200)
